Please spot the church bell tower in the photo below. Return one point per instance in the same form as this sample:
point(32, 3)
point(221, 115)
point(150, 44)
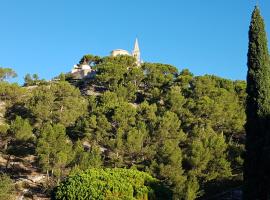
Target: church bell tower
point(136, 52)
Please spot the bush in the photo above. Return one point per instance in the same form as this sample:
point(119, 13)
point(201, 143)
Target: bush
point(113, 184)
point(6, 187)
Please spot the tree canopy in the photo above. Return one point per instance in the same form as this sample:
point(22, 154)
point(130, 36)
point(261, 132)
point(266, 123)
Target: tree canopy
point(184, 131)
point(6, 73)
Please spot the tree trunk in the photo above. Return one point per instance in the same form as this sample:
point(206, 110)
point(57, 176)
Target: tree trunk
point(8, 161)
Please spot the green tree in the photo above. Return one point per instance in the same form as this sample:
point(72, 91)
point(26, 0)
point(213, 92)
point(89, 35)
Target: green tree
point(6, 73)
point(207, 155)
point(21, 129)
point(168, 160)
point(125, 60)
point(257, 160)
point(32, 80)
point(175, 100)
point(214, 101)
point(12, 93)
point(53, 149)
point(85, 159)
point(58, 103)
point(90, 59)
point(183, 80)
point(41, 104)
point(158, 78)
point(35, 77)
point(111, 75)
point(62, 77)
point(120, 75)
point(28, 80)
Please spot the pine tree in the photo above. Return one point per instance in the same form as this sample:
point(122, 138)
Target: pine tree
point(21, 129)
point(256, 172)
point(53, 149)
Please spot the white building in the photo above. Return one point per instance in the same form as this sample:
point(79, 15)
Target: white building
point(80, 71)
point(135, 53)
point(118, 52)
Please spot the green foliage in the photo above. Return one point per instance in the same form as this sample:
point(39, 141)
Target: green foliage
point(168, 159)
point(192, 189)
point(185, 130)
point(53, 148)
point(6, 73)
point(128, 61)
point(12, 93)
point(120, 74)
point(207, 156)
point(86, 159)
point(158, 75)
point(21, 129)
point(6, 187)
point(28, 79)
point(108, 184)
point(179, 129)
point(258, 67)
point(62, 77)
point(257, 163)
point(157, 78)
point(32, 80)
point(58, 103)
point(3, 129)
point(111, 75)
point(215, 102)
point(90, 59)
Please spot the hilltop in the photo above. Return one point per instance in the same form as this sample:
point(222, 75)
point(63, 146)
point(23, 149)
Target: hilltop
point(184, 130)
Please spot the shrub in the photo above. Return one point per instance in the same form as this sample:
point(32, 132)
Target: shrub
point(113, 184)
point(6, 187)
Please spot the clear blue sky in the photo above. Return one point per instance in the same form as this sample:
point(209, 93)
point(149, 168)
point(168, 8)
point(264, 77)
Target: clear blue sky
point(50, 36)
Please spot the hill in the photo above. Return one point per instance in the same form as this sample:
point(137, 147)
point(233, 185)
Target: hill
point(185, 130)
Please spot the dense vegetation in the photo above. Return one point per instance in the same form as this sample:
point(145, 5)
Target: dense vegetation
point(142, 132)
point(111, 184)
point(186, 131)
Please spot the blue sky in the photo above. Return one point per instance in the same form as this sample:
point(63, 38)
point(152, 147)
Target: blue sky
point(50, 36)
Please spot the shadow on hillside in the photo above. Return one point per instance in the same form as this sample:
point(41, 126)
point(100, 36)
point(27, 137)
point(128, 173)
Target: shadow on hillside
point(223, 189)
point(18, 109)
point(21, 149)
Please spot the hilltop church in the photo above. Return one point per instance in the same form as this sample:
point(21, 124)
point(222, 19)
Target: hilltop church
point(80, 71)
point(135, 53)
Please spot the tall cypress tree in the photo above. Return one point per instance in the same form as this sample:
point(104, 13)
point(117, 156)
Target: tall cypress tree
point(257, 160)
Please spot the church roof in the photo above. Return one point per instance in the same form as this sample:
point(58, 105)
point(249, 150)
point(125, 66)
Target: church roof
point(120, 50)
point(136, 46)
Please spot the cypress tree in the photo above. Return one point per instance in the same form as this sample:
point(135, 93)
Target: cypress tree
point(257, 167)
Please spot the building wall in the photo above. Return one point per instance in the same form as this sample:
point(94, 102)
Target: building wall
point(119, 52)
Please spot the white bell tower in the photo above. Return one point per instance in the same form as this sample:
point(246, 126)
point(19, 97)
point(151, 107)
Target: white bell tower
point(136, 52)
